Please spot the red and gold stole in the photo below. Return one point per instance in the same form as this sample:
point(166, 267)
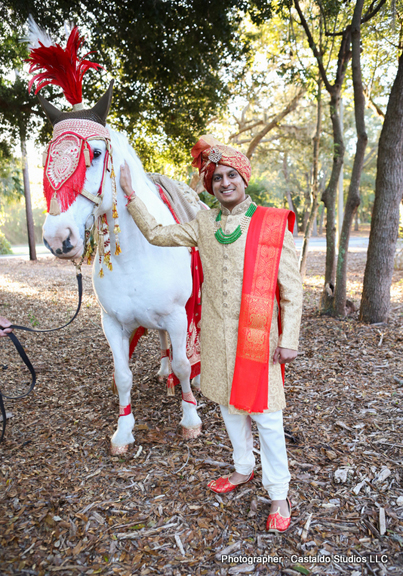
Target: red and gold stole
point(264, 242)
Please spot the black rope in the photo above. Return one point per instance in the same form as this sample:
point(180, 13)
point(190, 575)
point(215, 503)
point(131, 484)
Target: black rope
point(24, 356)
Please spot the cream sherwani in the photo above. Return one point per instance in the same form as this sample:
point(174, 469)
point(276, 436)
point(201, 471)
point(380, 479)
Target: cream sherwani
point(221, 296)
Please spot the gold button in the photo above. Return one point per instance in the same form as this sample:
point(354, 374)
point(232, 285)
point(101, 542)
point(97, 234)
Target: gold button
point(225, 305)
point(225, 280)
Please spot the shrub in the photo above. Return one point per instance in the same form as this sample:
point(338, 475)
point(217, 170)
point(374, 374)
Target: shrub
point(5, 246)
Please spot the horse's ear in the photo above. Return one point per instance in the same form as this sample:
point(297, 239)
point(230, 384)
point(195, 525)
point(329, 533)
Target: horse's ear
point(101, 108)
point(51, 111)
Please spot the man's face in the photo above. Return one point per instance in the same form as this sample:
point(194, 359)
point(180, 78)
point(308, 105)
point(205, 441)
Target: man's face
point(228, 186)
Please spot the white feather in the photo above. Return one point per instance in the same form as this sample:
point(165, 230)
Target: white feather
point(68, 27)
point(36, 35)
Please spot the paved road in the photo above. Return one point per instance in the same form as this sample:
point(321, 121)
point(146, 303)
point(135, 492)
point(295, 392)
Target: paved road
point(316, 244)
point(22, 251)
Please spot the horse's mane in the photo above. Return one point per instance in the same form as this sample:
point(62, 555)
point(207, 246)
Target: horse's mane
point(142, 185)
point(123, 150)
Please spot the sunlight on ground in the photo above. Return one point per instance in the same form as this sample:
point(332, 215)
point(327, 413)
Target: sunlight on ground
point(19, 287)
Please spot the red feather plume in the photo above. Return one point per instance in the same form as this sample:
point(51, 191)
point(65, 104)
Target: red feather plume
point(62, 67)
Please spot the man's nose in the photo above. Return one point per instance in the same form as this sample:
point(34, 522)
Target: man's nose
point(225, 182)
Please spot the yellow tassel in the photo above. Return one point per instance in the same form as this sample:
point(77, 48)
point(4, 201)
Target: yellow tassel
point(54, 209)
point(170, 390)
point(117, 229)
point(118, 250)
point(101, 273)
point(107, 259)
point(109, 264)
point(114, 212)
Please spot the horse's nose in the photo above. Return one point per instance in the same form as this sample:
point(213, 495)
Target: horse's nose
point(67, 245)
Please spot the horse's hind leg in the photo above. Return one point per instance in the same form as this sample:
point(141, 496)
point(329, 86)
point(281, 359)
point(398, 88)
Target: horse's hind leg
point(177, 329)
point(163, 372)
point(196, 382)
point(119, 343)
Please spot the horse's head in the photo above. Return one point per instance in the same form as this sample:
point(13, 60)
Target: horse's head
point(77, 185)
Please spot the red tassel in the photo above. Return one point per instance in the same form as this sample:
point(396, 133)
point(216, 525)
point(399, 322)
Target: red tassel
point(61, 66)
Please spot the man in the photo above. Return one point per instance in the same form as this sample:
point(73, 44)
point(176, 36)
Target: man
point(4, 326)
point(247, 260)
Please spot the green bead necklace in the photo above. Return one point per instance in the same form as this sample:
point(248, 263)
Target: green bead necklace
point(237, 233)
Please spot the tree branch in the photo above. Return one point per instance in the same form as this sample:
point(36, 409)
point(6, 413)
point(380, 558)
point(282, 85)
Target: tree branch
point(372, 11)
point(289, 108)
point(246, 128)
point(371, 104)
point(313, 47)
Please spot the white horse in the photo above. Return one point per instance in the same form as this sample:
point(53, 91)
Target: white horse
point(148, 286)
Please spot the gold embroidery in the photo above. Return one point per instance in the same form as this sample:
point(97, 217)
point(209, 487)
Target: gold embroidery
point(257, 308)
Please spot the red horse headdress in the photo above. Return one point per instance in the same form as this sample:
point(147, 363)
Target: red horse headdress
point(68, 155)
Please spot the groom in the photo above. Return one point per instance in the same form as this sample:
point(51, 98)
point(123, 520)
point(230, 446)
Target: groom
point(252, 303)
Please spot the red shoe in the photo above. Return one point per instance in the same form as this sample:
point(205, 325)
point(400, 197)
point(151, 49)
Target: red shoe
point(223, 485)
point(277, 523)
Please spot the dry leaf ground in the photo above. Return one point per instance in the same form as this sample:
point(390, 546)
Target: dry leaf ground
point(68, 507)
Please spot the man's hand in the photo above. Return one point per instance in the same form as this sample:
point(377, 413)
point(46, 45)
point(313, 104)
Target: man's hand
point(4, 323)
point(284, 355)
point(126, 180)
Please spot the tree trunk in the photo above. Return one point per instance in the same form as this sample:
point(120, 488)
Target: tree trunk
point(329, 195)
point(321, 218)
point(288, 193)
point(356, 225)
point(314, 185)
point(353, 196)
point(315, 225)
point(385, 216)
point(28, 205)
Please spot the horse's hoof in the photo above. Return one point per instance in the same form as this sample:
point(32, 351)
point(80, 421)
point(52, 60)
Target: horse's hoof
point(189, 433)
point(117, 450)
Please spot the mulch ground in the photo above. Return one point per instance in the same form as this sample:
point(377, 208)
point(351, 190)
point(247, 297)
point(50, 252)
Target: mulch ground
point(68, 507)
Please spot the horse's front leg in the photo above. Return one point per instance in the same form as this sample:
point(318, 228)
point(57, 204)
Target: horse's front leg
point(119, 343)
point(177, 329)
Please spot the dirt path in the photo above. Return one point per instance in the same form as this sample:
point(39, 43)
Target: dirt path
point(67, 507)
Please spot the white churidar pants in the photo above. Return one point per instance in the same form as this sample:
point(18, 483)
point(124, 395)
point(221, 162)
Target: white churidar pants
point(276, 477)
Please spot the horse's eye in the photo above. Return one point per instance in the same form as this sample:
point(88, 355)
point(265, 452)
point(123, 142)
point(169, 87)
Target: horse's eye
point(97, 153)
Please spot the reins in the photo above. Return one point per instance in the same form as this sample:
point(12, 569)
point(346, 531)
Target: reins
point(23, 354)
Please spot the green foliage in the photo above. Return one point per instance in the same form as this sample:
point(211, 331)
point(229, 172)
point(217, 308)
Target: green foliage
point(166, 56)
point(13, 223)
point(11, 186)
point(259, 190)
point(5, 246)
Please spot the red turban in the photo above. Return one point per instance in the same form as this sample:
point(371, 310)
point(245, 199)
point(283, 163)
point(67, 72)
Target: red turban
point(208, 152)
